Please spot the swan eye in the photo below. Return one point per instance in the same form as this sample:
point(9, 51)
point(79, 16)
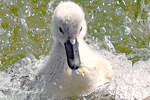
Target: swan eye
point(80, 29)
point(60, 29)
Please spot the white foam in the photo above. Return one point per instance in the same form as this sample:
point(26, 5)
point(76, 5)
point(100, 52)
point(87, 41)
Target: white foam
point(129, 82)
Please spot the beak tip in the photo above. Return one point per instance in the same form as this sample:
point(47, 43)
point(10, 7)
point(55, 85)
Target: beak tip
point(74, 67)
point(72, 53)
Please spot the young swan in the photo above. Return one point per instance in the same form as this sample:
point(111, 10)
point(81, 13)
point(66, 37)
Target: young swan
point(74, 68)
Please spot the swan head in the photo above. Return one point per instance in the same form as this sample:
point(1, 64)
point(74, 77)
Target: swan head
point(68, 21)
point(68, 26)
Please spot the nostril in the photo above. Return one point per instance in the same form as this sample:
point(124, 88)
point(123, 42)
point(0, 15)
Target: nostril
point(60, 29)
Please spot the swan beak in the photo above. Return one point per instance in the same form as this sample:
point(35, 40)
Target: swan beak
point(72, 53)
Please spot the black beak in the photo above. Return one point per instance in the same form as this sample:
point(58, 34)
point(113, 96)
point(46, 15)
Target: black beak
point(72, 52)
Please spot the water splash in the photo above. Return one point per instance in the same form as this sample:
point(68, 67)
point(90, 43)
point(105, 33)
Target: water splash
point(129, 82)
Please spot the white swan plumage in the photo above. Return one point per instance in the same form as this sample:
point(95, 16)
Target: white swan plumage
point(73, 68)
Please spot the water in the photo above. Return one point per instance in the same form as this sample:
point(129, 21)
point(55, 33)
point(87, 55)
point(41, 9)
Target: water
point(118, 26)
point(130, 82)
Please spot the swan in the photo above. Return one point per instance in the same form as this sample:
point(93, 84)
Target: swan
point(73, 68)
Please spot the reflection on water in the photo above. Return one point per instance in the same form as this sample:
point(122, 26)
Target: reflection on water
point(120, 26)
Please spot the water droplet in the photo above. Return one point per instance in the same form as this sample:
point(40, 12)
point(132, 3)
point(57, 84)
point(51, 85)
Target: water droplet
point(83, 74)
point(110, 18)
point(91, 1)
point(2, 41)
point(105, 11)
point(98, 8)
point(103, 4)
point(77, 72)
point(93, 38)
point(124, 2)
point(15, 19)
point(95, 31)
point(135, 1)
point(17, 48)
point(118, 2)
point(84, 98)
point(33, 35)
point(109, 4)
point(109, 43)
point(118, 11)
point(103, 30)
point(9, 33)
point(22, 38)
point(6, 15)
point(37, 29)
point(54, 83)
point(7, 42)
point(127, 30)
point(27, 11)
point(60, 87)
point(23, 21)
point(11, 3)
point(92, 17)
point(127, 20)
